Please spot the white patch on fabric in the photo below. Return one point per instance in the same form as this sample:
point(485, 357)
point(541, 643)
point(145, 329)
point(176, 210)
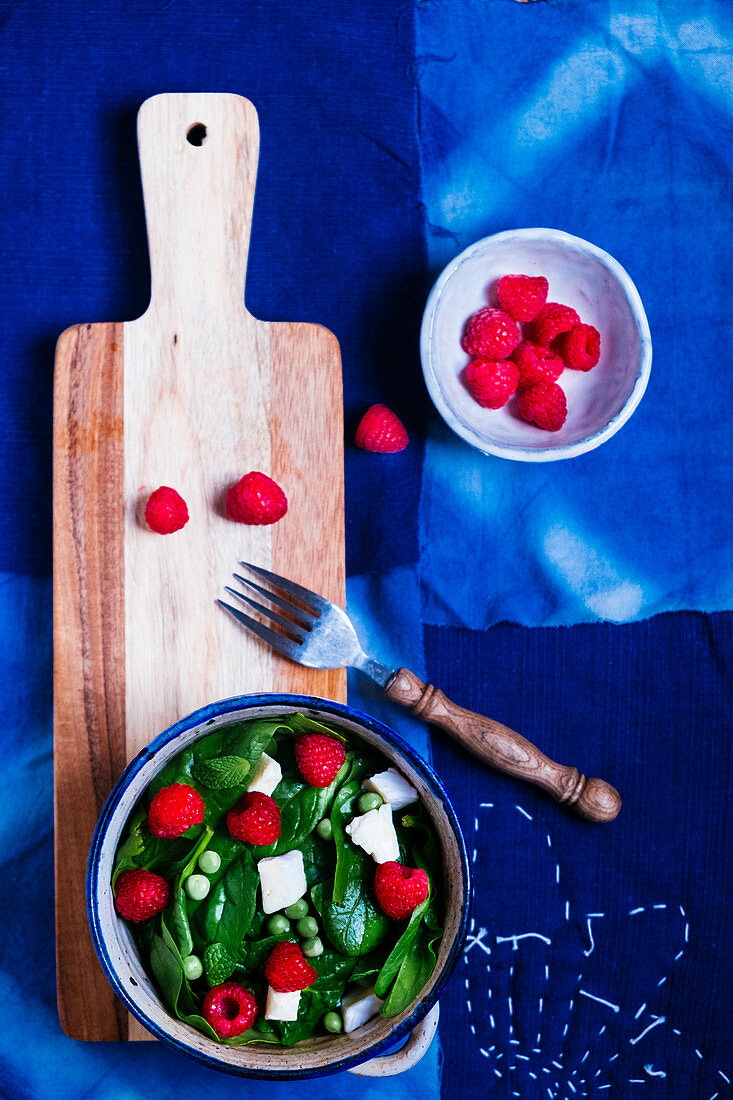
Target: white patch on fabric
point(592, 578)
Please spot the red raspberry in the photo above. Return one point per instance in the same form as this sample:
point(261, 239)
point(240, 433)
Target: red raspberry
point(230, 1009)
point(492, 382)
point(581, 347)
point(175, 809)
point(319, 758)
point(288, 970)
point(255, 819)
point(400, 889)
point(166, 511)
point(544, 404)
point(522, 296)
point(553, 319)
point(256, 499)
point(140, 894)
point(490, 334)
point(536, 364)
point(380, 430)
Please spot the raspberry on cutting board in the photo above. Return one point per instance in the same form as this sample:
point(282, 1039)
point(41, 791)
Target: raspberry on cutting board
point(256, 500)
point(166, 511)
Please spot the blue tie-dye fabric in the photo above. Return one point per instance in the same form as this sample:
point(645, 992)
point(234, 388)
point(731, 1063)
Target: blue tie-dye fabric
point(613, 120)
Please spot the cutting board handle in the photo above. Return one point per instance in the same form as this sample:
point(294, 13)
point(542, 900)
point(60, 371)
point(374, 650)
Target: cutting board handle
point(198, 160)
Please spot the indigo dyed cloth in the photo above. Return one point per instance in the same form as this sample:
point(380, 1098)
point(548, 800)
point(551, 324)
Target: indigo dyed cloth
point(598, 961)
point(612, 120)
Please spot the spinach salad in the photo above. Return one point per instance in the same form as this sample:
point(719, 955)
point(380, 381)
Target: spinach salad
point(216, 926)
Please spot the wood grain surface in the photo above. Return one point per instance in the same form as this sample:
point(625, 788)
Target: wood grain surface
point(193, 394)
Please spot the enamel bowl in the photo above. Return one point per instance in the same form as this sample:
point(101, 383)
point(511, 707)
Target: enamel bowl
point(580, 275)
point(313, 1057)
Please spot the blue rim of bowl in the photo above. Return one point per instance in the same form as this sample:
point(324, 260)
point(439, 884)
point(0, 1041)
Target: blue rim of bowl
point(200, 717)
point(562, 450)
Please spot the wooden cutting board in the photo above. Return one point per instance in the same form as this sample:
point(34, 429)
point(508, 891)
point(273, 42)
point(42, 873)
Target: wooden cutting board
point(193, 394)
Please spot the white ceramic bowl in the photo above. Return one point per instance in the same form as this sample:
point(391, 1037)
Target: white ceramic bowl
point(580, 275)
point(323, 1054)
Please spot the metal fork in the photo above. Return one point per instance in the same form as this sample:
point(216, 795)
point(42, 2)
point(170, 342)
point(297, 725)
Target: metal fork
point(319, 634)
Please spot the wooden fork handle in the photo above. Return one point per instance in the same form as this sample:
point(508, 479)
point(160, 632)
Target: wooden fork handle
point(504, 749)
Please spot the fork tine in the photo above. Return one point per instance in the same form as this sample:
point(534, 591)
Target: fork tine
point(312, 599)
point(289, 625)
point(277, 641)
point(303, 617)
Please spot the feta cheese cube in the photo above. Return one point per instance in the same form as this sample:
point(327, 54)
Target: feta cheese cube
point(282, 879)
point(266, 775)
point(359, 1007)
point(375, 833)
point(393, 788)
point(281, 1006)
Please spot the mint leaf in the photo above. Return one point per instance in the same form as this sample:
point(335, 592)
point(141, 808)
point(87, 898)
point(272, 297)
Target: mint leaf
point(221, 772)
point(219, 964)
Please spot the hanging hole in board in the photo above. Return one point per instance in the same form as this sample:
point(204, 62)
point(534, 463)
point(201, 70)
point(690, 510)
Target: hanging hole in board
point(196, 134)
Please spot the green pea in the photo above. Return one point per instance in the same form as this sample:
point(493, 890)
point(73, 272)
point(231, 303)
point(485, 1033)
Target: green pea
point(324, 829)
point(278, 925)
point(193, 967)
point(333, 1022)
point(197, 887)
point(209, 862)
point(297, 909)
point(369, 801)
point(307, 927)
point(312, 948)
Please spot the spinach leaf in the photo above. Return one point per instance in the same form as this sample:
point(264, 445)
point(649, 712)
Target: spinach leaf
point(132, 847)
point(251, 1036)
point(302, 723)
point(226, 915)
point(180, 923)
point(167, 970)
point(249, 739)
point(167, 966)
point(399, 952)
point(414, 972)
point(353, 926)
point(318, 859)
point(254, 953)
point(349, 862)
point(368, 966)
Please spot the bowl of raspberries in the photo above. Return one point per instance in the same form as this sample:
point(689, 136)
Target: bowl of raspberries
point(535, 345)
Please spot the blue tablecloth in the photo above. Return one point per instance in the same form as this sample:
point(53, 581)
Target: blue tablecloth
point(599, 959)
